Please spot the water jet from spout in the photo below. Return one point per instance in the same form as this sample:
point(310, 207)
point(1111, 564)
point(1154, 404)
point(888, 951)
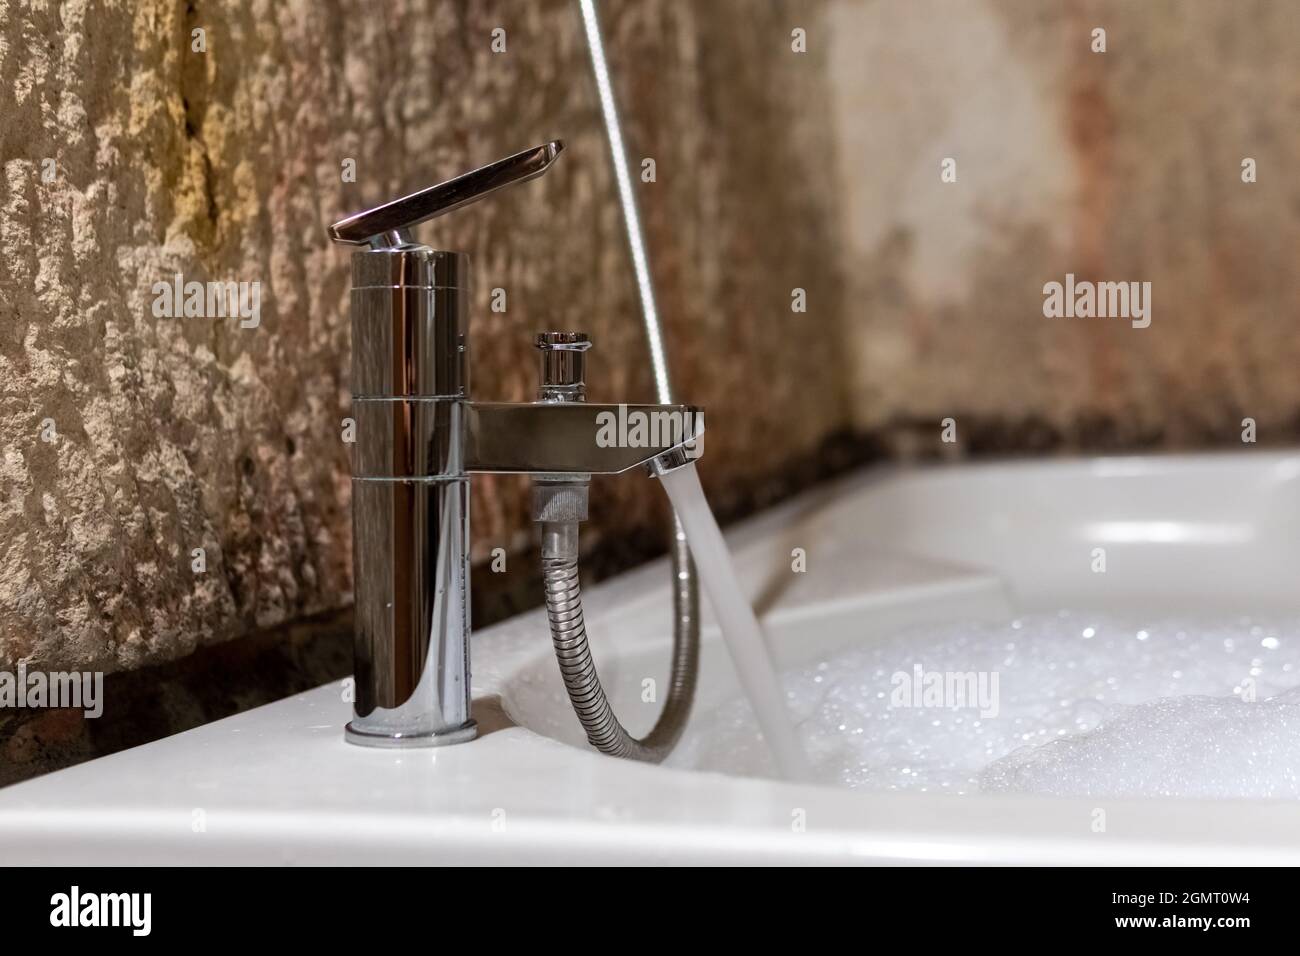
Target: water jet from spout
point(740, 628)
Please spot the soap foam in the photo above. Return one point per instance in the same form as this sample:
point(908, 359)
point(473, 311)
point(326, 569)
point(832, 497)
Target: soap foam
point(1087, 704)
point(1195, 746)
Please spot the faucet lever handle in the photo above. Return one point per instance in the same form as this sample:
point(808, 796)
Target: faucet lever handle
point(387, 225)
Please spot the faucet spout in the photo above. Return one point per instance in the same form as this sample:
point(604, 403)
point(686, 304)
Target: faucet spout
point(552, 438)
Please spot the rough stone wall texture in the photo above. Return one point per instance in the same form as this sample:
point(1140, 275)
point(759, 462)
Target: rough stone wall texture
point(175, 434)
point(1123, 165)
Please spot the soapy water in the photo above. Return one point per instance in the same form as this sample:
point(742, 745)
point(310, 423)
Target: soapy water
point(1069, 704)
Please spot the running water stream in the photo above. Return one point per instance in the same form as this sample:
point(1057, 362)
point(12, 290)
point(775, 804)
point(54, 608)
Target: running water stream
point(740, 628)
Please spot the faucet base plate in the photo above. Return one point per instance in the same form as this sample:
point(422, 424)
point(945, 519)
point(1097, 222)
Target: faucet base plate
point(440, 738)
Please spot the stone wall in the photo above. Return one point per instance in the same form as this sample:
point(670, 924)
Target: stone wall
point(1117, 166)
point(131, 440)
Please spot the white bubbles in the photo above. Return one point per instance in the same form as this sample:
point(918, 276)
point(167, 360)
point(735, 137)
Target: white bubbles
point(1088, 704)
point(1194, 746)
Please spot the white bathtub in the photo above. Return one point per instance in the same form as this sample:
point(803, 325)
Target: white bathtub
point(884, 549)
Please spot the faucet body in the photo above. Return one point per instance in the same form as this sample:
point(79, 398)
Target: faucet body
point(410, 497)
point(418, 437)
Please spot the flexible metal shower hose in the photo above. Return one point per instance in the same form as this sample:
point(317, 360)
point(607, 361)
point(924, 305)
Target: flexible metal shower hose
point(569, 634)
point(560, 568)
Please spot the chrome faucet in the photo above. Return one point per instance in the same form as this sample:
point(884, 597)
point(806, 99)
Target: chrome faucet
point(418, 438)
